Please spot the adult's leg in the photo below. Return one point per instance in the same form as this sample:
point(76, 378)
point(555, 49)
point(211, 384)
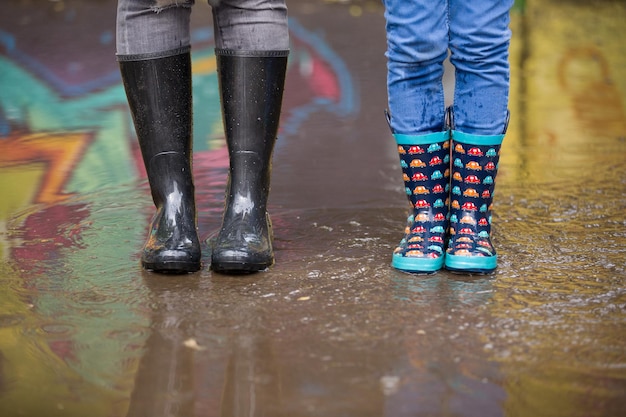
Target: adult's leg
point(250, 25)
point(148, 28)
point(417, 45)
point(252, 45)
point(155, 64)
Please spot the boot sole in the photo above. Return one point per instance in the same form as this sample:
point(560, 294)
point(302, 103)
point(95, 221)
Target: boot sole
point(417, 265)
point(471, 264)
point(240, 267)
point(175, 267)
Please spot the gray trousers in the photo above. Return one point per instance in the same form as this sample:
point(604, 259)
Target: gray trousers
point(158, 28)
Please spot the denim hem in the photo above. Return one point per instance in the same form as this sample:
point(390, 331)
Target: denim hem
point(268, 54)
point(154, 55)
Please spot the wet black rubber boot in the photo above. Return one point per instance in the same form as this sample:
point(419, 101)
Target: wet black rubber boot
point(251, 88)
point(159, 96)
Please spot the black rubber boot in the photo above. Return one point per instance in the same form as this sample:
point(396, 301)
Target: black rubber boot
point(159, 96)
point(251, 88)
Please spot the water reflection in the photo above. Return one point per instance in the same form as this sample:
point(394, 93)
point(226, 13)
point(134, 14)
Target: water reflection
point(557, 324)
point(226, 366)
point(445, 370)
point(332, 329)
point(164, 382)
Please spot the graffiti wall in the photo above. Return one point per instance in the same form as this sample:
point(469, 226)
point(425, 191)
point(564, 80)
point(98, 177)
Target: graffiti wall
point(70, 169)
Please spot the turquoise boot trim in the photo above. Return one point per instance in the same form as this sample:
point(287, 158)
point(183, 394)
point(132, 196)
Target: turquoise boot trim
point(477, 264)
point(422, 139)
point(481, 140)
point(417, 265)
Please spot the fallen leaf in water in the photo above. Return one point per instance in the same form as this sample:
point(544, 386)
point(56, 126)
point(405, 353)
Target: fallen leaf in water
point(192, 344)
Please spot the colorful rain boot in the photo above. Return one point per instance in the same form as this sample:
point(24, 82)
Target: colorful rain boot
point(474, 168)
point(251, 87)
point(159, 97)
point(424, 160)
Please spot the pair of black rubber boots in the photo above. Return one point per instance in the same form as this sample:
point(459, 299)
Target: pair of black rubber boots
point(159, 93)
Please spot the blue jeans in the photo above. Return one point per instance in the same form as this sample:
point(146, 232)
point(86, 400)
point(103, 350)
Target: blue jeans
point(158, 28)
point(419, 35)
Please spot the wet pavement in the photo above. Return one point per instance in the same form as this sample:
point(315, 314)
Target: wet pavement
point(331, 329)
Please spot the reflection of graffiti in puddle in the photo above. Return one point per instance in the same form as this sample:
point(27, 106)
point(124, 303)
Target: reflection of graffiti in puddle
point(34, 169)
point(584, 74)
point(60, 139)
point(45, 159)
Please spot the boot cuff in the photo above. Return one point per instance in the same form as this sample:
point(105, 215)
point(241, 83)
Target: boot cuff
point(424, 139)
point(477, 139)
point(243, 53)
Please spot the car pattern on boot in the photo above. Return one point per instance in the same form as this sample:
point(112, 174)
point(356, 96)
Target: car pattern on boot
point(426, 179)
point(472, 193)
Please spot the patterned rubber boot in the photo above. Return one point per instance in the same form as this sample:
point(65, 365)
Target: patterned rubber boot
point(474, 168)
point(425, 160)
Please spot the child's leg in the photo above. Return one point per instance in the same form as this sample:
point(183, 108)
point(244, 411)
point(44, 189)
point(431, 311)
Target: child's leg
point(417, 45)
point(479, 45)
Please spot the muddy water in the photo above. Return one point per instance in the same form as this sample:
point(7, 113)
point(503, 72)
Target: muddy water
point(331, 329)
